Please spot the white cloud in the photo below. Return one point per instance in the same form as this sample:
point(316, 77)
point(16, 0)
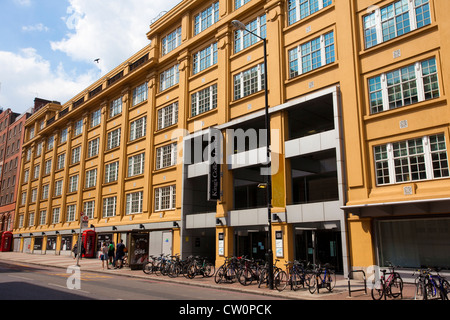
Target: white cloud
point(112, 30)
point(23, 3)
point(26, 75)
point(37, 27)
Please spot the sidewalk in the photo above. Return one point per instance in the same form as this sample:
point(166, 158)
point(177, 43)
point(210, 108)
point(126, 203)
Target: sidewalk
point(340, 292)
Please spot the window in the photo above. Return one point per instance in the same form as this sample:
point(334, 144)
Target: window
point(21, 221)
point(403, 87)
point(73, 183)
point(45, 189)
point(115, 107)
point(171, 41)
point(239, 3)
point(42, 217)
point(58, 188)
point(37, 169)
point(63, 136)
point(50, 142)
point(113, 139)
point(168, 116)
point(206, 18)
point(111, 172)
point(71, 210)
point(138, 128)
point(55, 215)
point(31, 219)
point(204, 100)
point(78, 129)
point(76, 155)
point(412, 160)
point(395, 20)
point(165, 198)
point(249, 82)
point(109, 207)
point(166, 156)
point(140, 94)
point(243, 39)
point(61, 161)
point(31, 133)
point(23, 198)
point(134, 202)
point(169, 78)
point(89, 208)
point(300, 9)
point(93, 147)
point(312, 55)
point(205, 58)
point(136, 165)
point(96, 117)
point(48, 167)
point(91, 178)
point(38, 149)
point(26, 175)
point(28, 158)
point(33, 195)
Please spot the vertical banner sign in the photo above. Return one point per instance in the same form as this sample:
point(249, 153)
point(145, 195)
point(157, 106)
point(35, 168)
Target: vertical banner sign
point(214, 166)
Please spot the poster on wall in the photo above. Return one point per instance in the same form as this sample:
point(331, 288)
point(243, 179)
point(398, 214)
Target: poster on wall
point(139, 248)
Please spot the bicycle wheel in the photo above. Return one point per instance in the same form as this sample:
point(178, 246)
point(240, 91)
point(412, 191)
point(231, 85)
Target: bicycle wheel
point(218, 277)
point(296, 281)
point(419, 293)
point(245, 277)
point(445, 289)
point(230, 275)
point(191, 271)
point(262, 277)
point(313, 284)
point(377, 291)
point(330, 280)
point(147, 267)
point(280, 280)
point(208, 270)
point(396, 286)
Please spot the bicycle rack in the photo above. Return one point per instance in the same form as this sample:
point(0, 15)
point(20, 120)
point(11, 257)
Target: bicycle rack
point(349, 286)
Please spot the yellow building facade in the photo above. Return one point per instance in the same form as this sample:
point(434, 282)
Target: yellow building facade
point(350, 83)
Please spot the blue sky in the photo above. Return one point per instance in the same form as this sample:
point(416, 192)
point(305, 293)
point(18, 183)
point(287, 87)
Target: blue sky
point(48, 47)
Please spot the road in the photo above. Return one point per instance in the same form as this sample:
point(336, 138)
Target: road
point(31, 282)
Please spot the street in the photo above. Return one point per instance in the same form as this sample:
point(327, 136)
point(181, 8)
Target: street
point(28, 282)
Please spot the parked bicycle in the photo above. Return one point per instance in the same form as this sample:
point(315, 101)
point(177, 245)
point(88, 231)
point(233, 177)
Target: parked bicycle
point(200, 266)
point(227, 272)
point(389, 285)
point(249, 271)
point(323, 276)
point(430, 286)
point(296, 275)
point(264, 273)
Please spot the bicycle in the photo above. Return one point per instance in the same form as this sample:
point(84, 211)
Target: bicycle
point(428, 285)
point(322, 277)
point(264, 274)
point(295, 275)
point(227, 271)
point(200, 268)
point(249, 271)
point(392, 286)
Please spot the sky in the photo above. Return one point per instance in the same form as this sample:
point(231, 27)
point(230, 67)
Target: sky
point(48, 47)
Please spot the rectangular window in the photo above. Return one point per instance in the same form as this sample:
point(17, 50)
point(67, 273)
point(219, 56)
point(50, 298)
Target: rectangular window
point(78, 129)
point(48, 166)
point(134, 202)
point(165, 198)
point(89, 208)
point(138, 128)
point(300, 9)
point(26, 176)
point(412, 160)
point(58, 188)
point(244, 39)
point(249, 81)
point(166, 156)
point(111, 172)
point(37, 169)
point(205, 58)
point(312, 55)
point(140, 94)
point(23, 198)
point(31, 219)
point(411, 84)
point(56, 215)
point(61, 161)
point(171, 41)
point(76, 155)
point(115, 107)
point(168, 116)
point(240, 3)
point(39, 149)
point(206, 18)
point(204, 100)
point(169, 78)
point(113, 139)
point(136, 165)
point(45, 189)
point(33, 195)
point(109, 207)
point(42, 217)
point(63, 136)
point(50, 142)
point(394, 20)
point(73, 183)
point(71, 212)
point(93, 147)
point(96, 117)
point(91, 178)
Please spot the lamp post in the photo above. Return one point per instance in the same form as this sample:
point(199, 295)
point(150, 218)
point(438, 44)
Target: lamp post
point(240, 26)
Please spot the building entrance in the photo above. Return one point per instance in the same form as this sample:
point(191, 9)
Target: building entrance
point(319, 247)
point(251, 243)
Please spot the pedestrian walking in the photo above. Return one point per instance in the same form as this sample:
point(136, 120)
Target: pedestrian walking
point(119, 255)
point(111, 251)
point(75, 250)
point(104, 255)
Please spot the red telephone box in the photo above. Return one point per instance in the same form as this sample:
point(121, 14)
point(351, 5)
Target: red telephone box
point(88, 240)
point(6, 242)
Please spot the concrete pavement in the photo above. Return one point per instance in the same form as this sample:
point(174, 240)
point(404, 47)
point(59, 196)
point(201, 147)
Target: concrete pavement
point(340, 292)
